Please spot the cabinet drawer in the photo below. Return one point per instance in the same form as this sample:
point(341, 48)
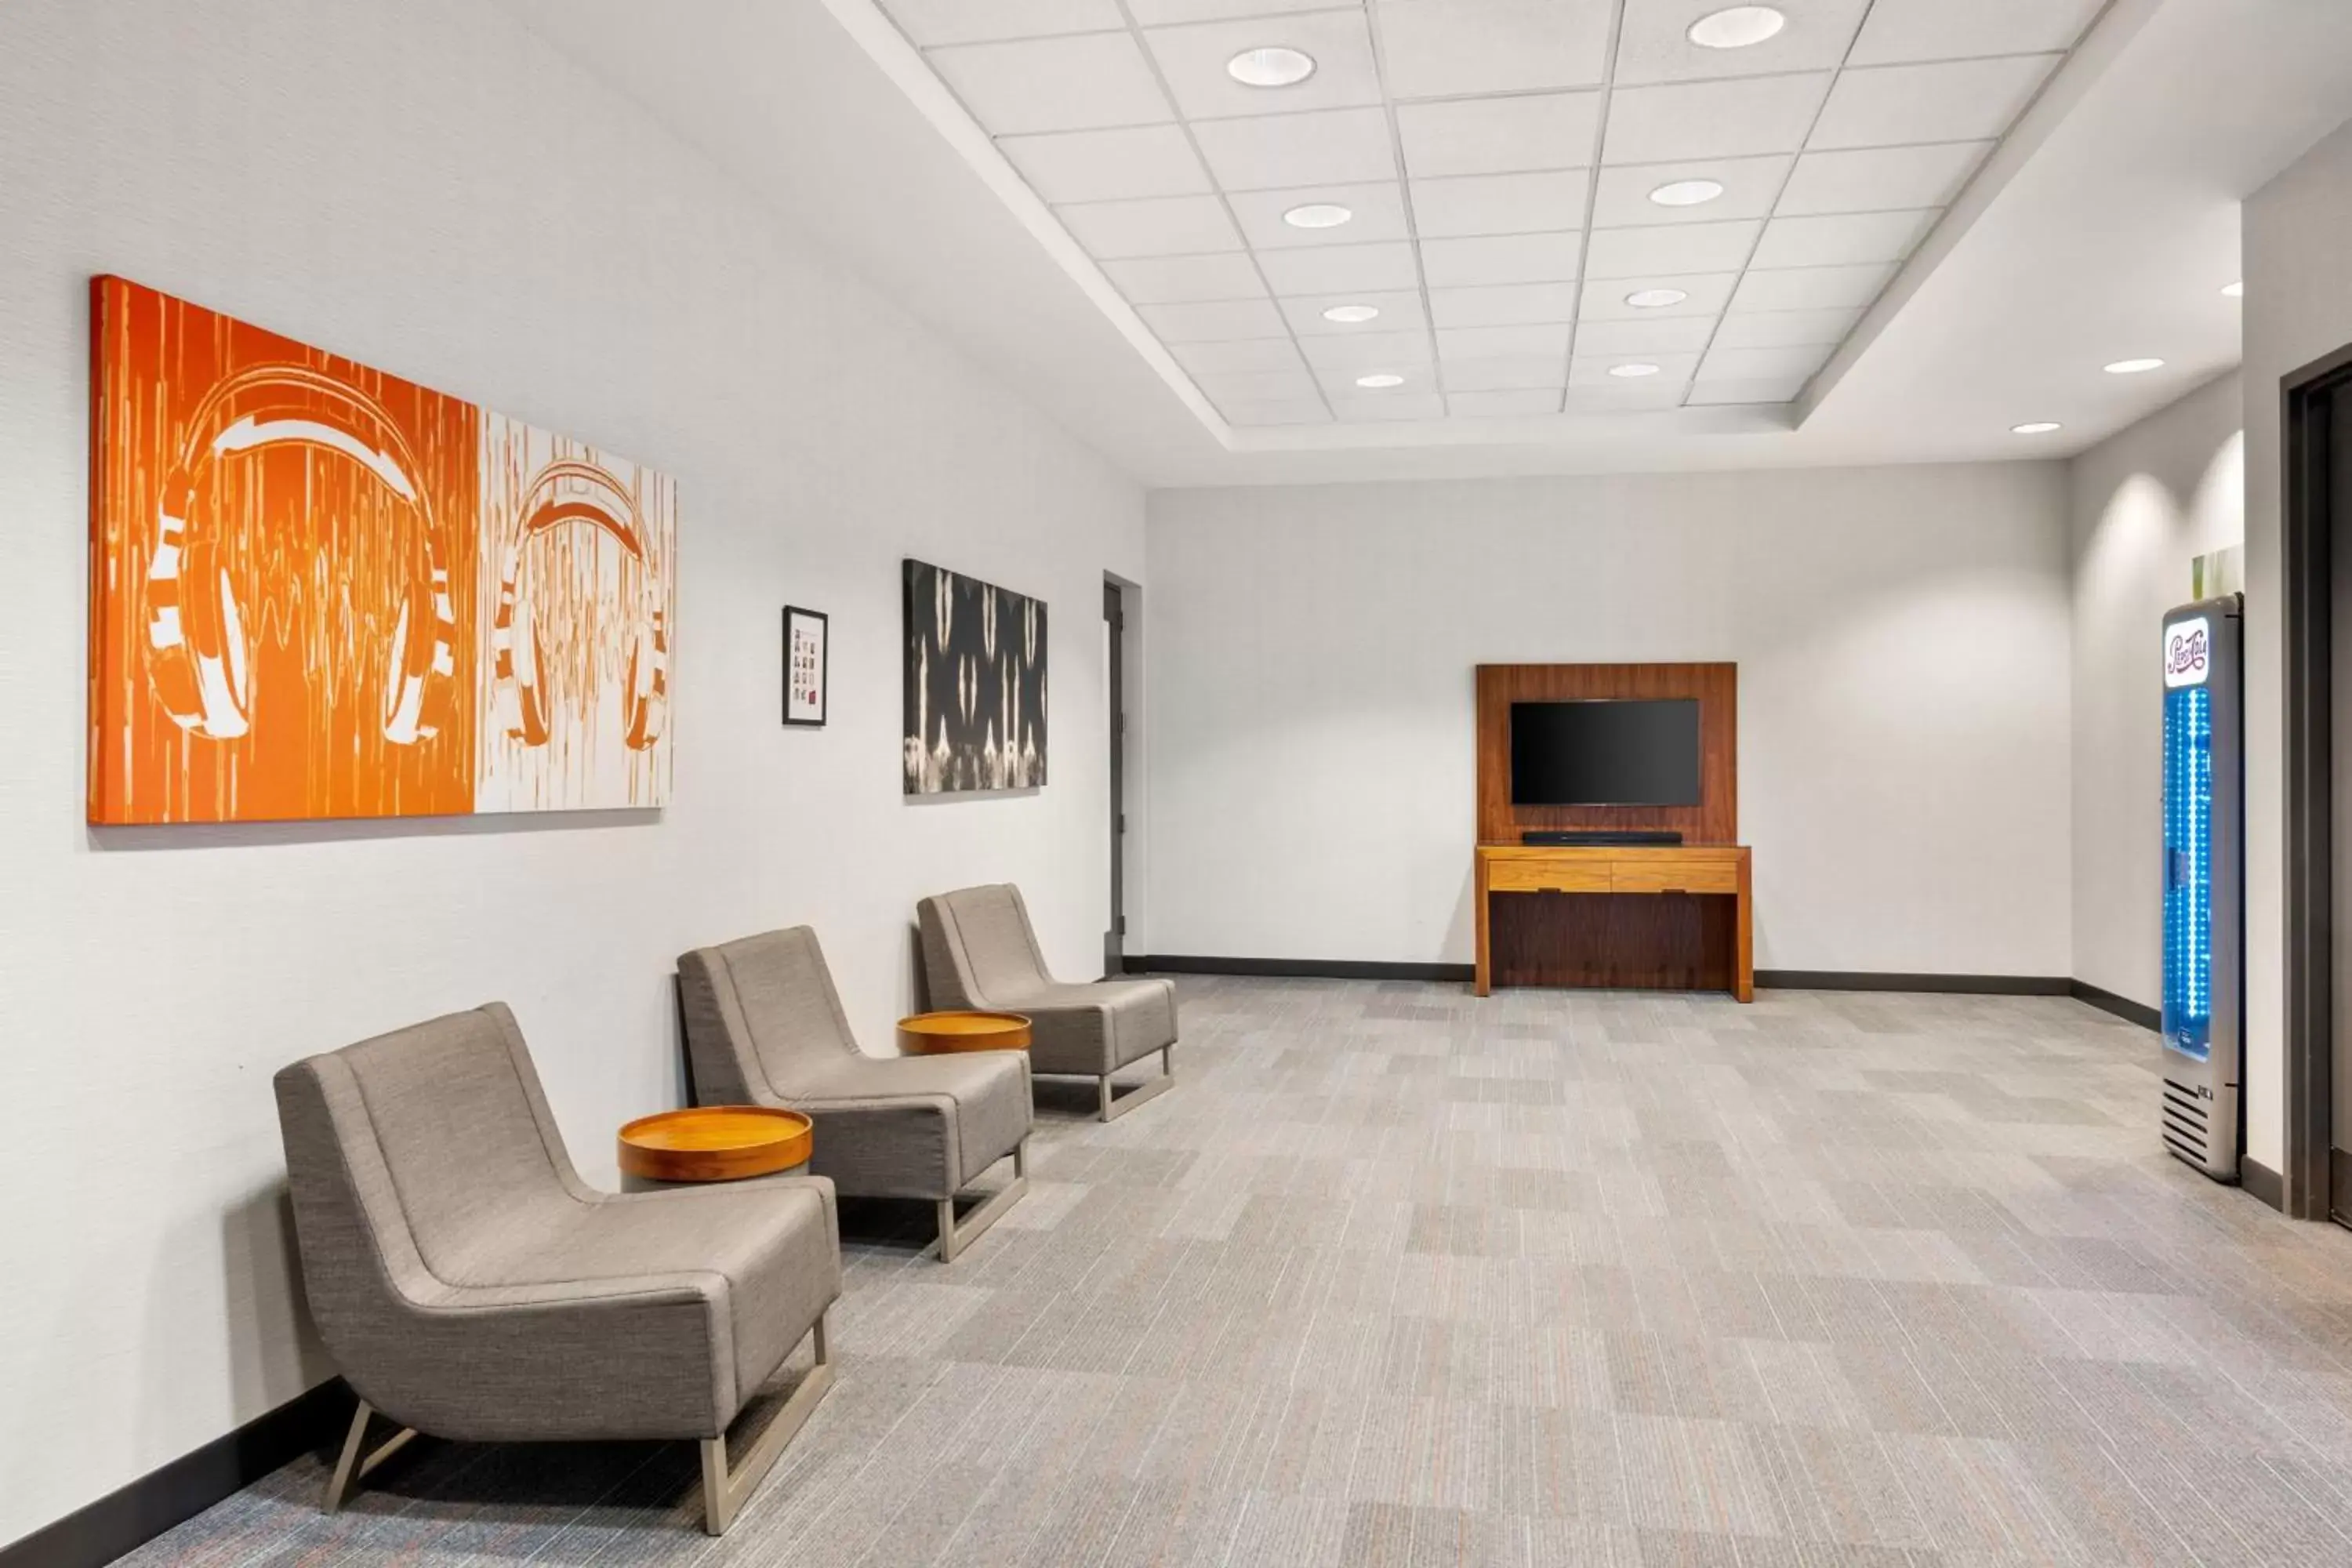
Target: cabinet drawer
point(1549, 877)
point(1665, 875)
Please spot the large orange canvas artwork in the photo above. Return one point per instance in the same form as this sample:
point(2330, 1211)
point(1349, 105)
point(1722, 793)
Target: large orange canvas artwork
point(321, 591)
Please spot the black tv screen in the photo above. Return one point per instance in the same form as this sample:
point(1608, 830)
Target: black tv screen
point(1629, 753)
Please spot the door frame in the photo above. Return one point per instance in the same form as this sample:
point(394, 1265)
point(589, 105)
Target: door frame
point(1115, 678)
point(2310, 487)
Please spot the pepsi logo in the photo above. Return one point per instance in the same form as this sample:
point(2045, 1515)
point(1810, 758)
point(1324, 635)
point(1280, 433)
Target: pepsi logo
point(2187, 652)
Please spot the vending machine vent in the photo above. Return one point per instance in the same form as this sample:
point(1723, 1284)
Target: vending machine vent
point(2185, 1123)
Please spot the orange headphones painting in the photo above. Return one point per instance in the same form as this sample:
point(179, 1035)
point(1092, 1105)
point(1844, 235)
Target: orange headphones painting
point(597, 498)
point(197, 642)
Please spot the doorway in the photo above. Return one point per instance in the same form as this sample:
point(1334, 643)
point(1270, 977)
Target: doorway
point(2315, 581)
point(1115, 678)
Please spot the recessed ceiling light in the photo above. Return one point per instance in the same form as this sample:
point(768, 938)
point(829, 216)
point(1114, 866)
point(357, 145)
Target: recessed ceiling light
point(1380, 381)
point(1632, 370)
point(1687, 193)
point(1350, 315)
point(2038, 428)
point(1319, 215)
point(2235, 291)
point(1736, 27)
point(2134, 366)
point(1272, 66)
point(1655, 299)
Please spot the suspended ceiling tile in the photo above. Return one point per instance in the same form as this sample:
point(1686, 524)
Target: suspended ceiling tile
point(1177, 279)
point(1535, 401)
point(1379, 212)
point(1599, 370)
point(1627, 397)
point(1500, 203)
point(1082, 83)
point(1670, 335)
point(1881, 179)
point(1400, 311)
point(1621, 197)
point(1334, 269)
point(1463, 343)
point(1161, 225)
point(1785, 329)
point(1810, 288)
point(1499, 135)
point(1507, 374)
point(1256, 385)
point(1503, 305)
point(1944, 30)
point(1252, 355)
point(1671, 248)
point(1221, 322)
point(1285, 411)
point(933, 22)
point(1712, 119)
point(1655, 45)
point(1842, 238)
point(1957, 100)
point(1706, 294)
point(1444, 48)
point(1193, 61)
point(1344, 146)
point(1500, 258)
point(1764, 364)
point(1418, 379)
point(1106, 165)
point(1386, 405)
point(1374, 351)
point(1163, 13)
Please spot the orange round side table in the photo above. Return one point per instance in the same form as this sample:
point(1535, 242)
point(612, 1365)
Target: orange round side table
point(937, 1034)
point(713, 1144)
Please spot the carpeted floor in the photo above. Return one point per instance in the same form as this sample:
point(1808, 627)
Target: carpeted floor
point(1399, 1276)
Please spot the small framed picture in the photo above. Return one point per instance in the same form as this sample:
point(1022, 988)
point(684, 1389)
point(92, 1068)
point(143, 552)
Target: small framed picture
point(805, 655)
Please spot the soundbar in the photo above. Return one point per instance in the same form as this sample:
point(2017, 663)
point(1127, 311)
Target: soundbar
point(1629, 835)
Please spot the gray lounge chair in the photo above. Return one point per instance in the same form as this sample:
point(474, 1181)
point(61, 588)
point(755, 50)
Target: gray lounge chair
point(764, 1027)
point(980, 951)
point(471, 1286)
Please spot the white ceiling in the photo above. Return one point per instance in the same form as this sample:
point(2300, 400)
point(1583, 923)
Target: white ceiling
point(1105, 259)
point(1498, 158)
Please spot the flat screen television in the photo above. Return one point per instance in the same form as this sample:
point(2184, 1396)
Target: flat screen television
point(1621, 752)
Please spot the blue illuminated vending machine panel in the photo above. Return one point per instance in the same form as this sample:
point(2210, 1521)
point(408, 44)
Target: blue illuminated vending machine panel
point(2204, 922)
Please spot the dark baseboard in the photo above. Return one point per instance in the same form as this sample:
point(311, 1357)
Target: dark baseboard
point(1949, 984)
point(2262, 1182)
point(128, 1518)
point(1294, 968)
point(2123, 1007)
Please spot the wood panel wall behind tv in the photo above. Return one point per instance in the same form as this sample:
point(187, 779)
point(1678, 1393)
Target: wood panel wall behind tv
point(1715, 689)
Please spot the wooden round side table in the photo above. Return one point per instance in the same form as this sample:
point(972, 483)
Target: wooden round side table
point(713, 1144)
point(937, 1034)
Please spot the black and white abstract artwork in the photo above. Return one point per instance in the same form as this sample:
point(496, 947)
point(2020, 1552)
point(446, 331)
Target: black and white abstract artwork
point(975, 709)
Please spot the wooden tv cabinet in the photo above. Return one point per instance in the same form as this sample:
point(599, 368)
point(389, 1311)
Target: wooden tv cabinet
point(1655, 917)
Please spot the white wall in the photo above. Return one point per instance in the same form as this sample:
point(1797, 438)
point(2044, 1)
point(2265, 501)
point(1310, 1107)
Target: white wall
point(427, 187)
point(2297, 232)
point(1902, 642)
point(2146, 502)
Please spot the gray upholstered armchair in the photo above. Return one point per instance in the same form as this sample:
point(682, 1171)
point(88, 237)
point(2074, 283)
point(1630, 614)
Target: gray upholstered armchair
point(764, 1027)
point(471, 1286)
point(980, 951)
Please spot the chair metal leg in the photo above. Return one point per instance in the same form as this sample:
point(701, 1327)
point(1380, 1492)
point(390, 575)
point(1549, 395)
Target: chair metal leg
point(1113, 1108)
point(351, 1467)
point(954, 1239)
point(723, 1493)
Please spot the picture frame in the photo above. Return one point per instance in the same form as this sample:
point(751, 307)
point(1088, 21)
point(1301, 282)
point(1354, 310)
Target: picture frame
point(808, 661)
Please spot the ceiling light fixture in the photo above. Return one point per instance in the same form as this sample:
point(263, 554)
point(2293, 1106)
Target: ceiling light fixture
point(1687, 193)
point(1351, 315)
point(2235, 291)
point(1380, 381)
point(1655, 299)
point(2037, 427)
point(1271, 65)
point(1319, 215)
point(1736, 27)
point(1637, 368)
point(2134, 366)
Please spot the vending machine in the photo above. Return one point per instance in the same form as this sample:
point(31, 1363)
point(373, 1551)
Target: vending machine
point(2204, 884)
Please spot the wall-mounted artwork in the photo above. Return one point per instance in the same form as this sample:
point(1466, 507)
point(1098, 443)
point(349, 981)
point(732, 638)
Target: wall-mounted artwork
point(321, 591)
point(975, 699)
point(805, 655)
